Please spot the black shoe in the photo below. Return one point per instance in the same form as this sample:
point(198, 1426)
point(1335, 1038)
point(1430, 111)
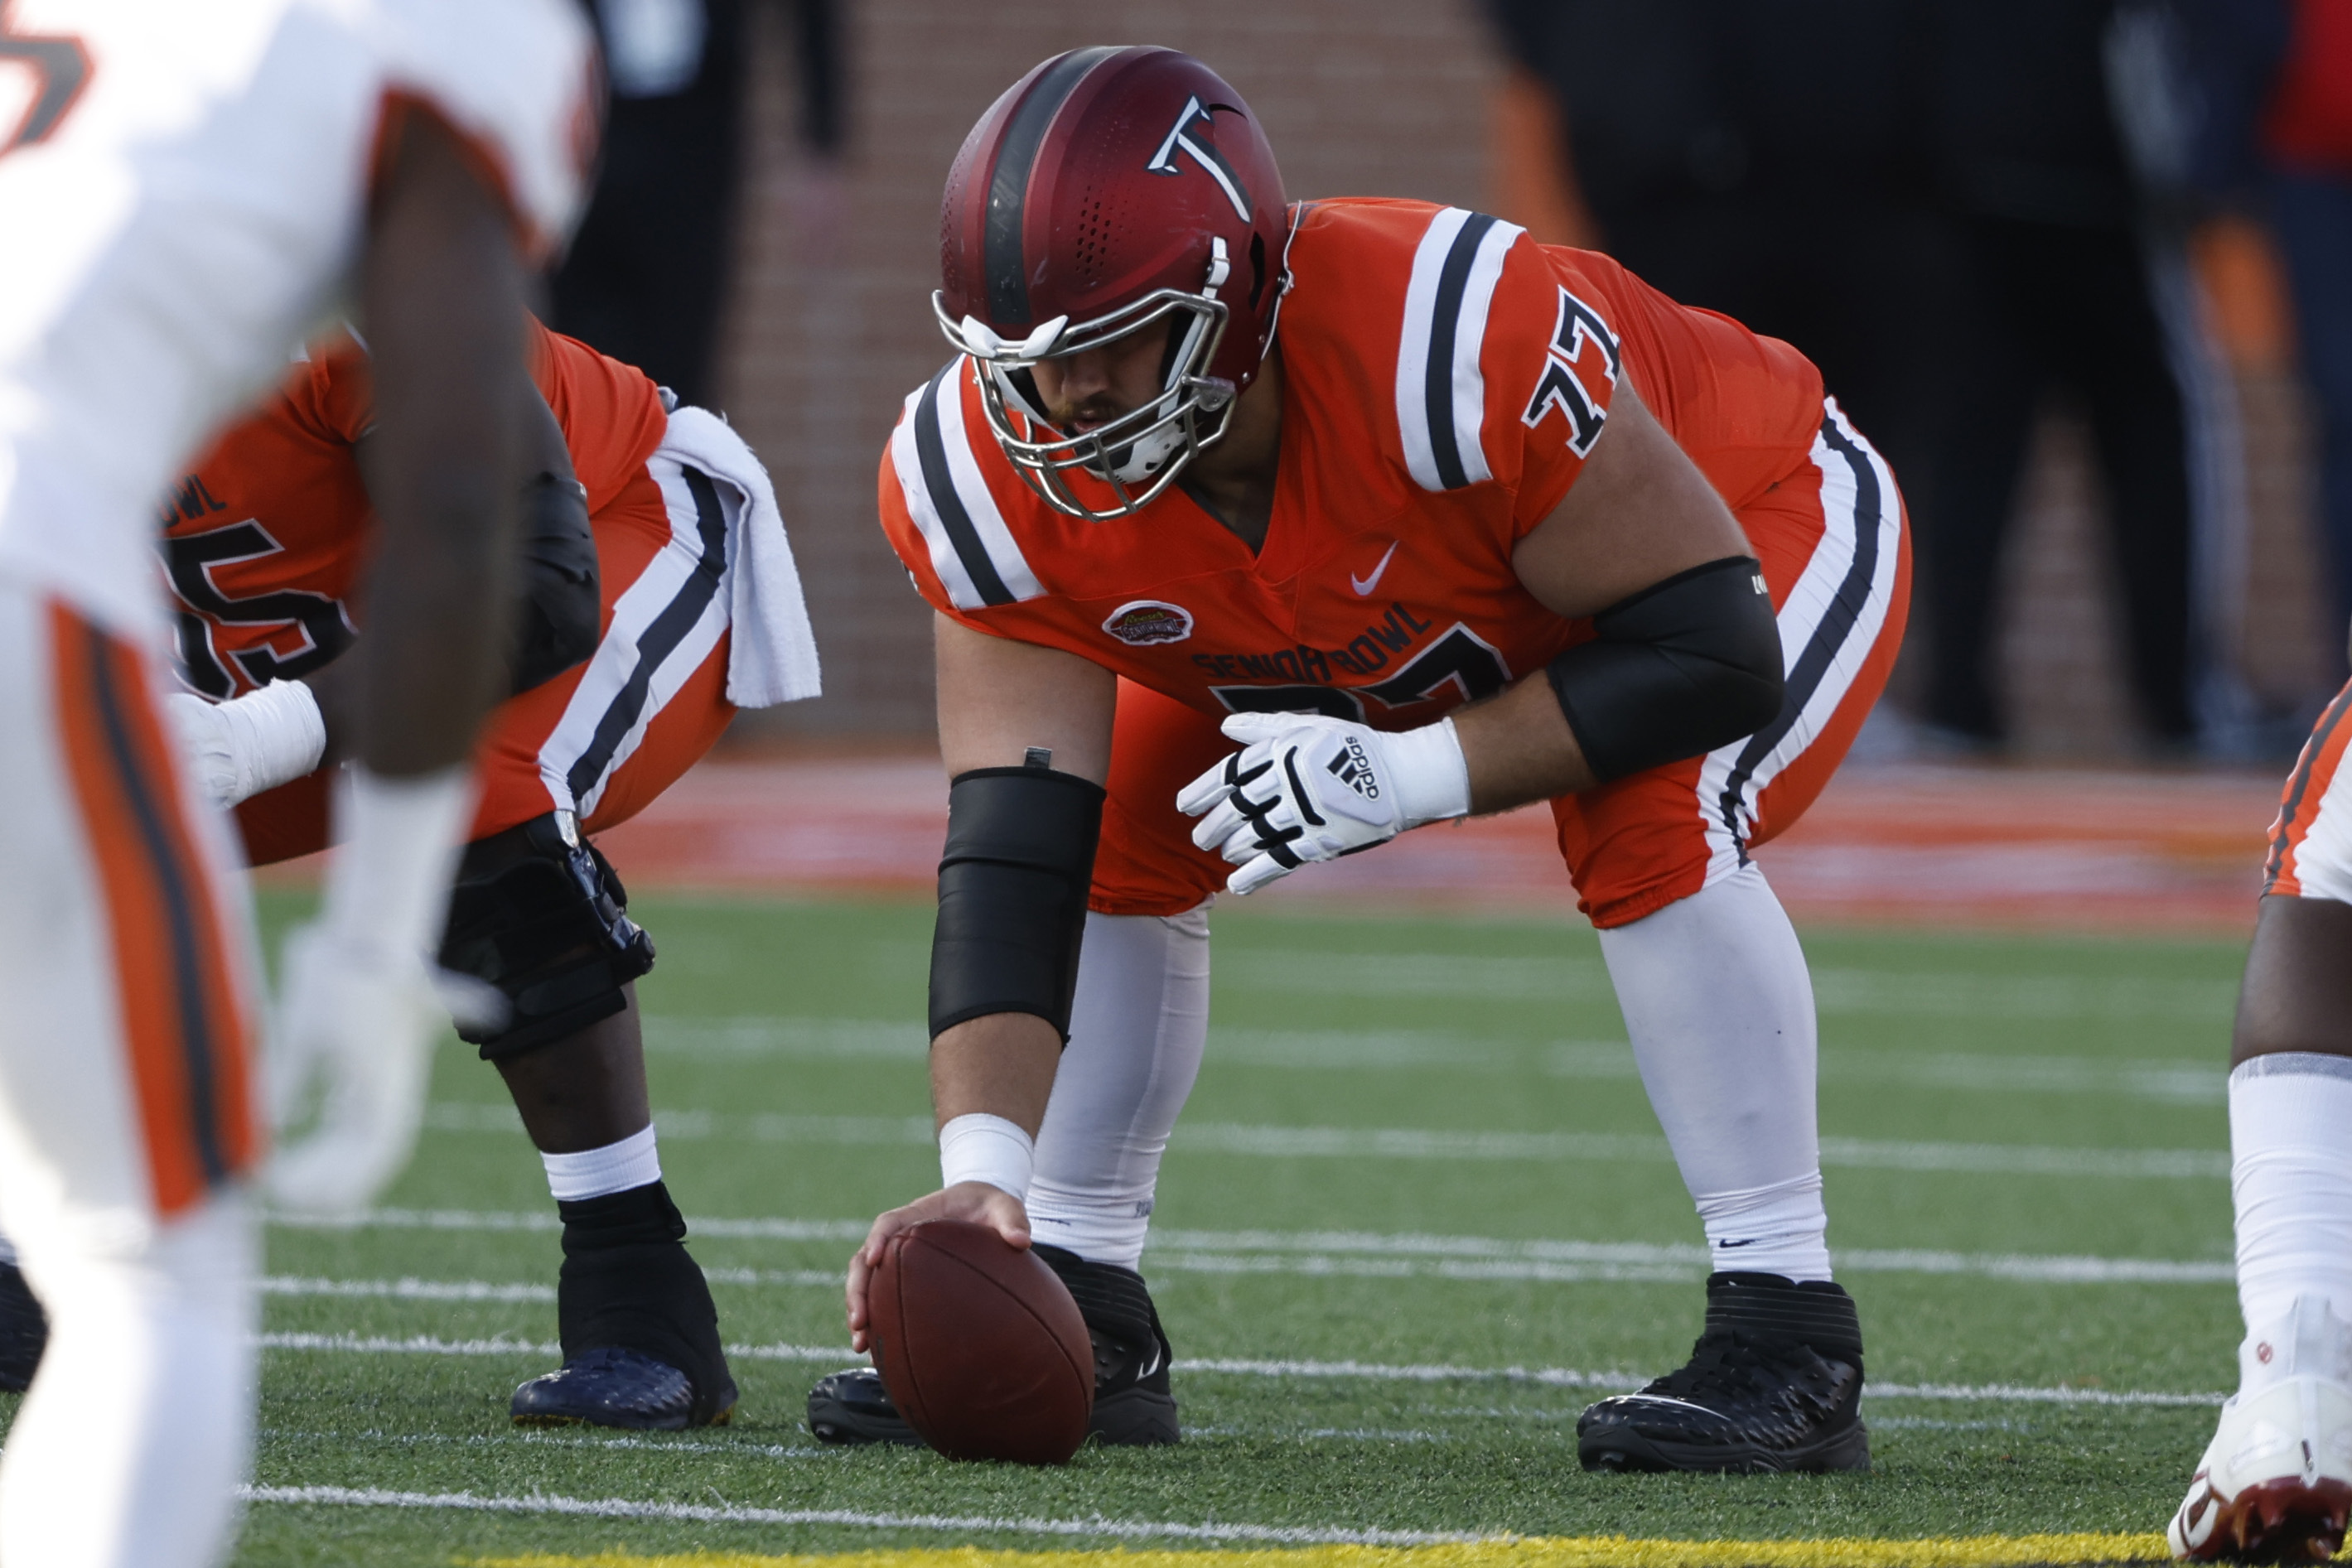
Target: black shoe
point(1133, 1407)
point(23, 1332)
point(631, 1305)
point(609, 1386)
point(1774, 1384)
point(851, 1408)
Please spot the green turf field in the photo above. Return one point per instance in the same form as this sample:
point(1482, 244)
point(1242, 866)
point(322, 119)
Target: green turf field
point(1418, 1148)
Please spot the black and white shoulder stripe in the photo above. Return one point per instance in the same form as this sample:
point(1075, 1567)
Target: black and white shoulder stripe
point(1441, 397)
point(971, 550)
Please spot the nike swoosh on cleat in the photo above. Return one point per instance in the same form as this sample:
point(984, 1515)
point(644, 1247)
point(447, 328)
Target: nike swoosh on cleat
point(1364, 585)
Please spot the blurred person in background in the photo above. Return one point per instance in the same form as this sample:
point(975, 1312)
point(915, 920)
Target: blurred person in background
point(648, 275)
point(2275, 80)
point(1759, 159)
point(2057, 141)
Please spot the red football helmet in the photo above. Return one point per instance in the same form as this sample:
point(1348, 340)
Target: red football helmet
point(1110, 192)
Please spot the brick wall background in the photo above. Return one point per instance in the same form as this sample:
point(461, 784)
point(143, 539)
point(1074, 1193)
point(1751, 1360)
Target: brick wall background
point(830, 326)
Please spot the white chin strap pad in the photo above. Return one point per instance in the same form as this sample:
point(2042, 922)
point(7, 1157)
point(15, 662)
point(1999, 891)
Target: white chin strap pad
point(1148, 453)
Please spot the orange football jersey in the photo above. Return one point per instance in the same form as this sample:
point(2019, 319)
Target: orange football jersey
point(263, 542)
point(1445, 376)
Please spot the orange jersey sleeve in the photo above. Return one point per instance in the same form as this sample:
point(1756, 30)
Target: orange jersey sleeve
point(611, 412)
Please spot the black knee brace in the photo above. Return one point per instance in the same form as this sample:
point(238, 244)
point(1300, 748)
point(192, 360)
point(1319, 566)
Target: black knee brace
point(538, 912)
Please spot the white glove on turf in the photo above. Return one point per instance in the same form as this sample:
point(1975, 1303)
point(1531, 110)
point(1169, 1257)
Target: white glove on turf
point(355, 1025)
point(241, 748)
point(1307, 787)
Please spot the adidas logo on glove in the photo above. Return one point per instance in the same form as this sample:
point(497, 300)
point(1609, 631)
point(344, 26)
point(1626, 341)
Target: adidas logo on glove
point(1354, 769)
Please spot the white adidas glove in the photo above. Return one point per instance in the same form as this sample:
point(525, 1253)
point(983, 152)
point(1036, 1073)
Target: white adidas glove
point(352, 1046)
point(241, 748)
point(1306, 787)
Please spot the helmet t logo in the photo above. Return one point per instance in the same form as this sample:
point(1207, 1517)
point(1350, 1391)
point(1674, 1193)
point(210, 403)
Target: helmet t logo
point(1164, 161)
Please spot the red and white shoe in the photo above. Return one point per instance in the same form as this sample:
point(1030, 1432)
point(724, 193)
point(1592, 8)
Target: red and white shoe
point(2276, 1484)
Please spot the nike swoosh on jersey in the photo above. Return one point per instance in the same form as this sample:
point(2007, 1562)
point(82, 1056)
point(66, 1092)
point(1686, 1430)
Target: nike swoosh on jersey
point(1364, 585)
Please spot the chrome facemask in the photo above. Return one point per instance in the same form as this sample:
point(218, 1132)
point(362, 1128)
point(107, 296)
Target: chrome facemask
point(1138, 455)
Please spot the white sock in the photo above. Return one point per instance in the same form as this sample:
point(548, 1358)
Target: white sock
point(1719, 1007)
point(598, 1173)
point(128, 1451)
point(2291, 1176)
point(1138, 1028)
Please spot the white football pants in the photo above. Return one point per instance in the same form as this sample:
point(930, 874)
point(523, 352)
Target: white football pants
point(128, 1112)
point(1138, 1028)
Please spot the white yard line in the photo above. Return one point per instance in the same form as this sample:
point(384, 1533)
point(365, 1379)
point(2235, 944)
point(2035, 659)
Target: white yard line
point(2169, 1080)
point(1411, 1144)
point(1372, 1254)
point(1364, 1371)
point(709, 1514)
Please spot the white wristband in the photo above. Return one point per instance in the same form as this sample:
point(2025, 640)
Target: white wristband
point(1432, 777)
point(388, 888)
point(980, 1147)
point(274, 733)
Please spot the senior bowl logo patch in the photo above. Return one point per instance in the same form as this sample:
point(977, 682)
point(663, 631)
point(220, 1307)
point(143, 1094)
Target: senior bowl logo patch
point(1149, 620)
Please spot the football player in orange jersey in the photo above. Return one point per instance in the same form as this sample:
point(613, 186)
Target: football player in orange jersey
point(1486, 523)
point(651, 609)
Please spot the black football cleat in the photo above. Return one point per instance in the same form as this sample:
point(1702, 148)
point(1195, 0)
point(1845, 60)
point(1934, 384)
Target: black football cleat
point(1774, 1384)
point(850, 1407)
point(639, 1331)
point(609, 1386)
point(1133, 1406)
point(23, 1332)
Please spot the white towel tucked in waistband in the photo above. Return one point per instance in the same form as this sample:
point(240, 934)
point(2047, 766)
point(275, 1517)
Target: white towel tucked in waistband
point(772, 657)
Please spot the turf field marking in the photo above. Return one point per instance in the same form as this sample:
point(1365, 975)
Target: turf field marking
point(1456, 1550)
point(707, 1513)
point(1366, 1371)
point(558, 1440)
point(2169, 1081)
point(1524, 1552)
point(1406, 1143)
point(412, 1290)
point(1406, 1255)
point(1542, 978)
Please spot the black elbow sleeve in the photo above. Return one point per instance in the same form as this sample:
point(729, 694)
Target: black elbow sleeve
point(1012, 894)
point(1682, 667)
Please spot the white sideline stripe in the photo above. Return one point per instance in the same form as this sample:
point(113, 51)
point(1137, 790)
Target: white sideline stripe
point(1406, 1144)
point(1435, 1372)
point(1245, 1251)
point(709, 1514)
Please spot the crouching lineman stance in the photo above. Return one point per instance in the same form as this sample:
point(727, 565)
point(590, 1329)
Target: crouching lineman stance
point(183, 188)
point(2275, 1483)
point(658, 595)
point(1665, 576)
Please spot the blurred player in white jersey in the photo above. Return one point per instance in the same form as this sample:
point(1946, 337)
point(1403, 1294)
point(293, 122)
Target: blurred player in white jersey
point(185, 189)
point(2275, 1483)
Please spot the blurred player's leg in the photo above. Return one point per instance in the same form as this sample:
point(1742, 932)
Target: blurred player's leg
point(2276, 1481)
point(127, 1120)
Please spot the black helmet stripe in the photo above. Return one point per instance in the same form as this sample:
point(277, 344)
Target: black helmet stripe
point(1008, 181)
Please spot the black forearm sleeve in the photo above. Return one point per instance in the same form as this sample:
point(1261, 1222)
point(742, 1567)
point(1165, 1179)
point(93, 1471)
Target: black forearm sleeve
point(1682, 667)
point(1012, 894)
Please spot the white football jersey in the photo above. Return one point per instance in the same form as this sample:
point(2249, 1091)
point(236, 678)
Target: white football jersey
point(183, 188)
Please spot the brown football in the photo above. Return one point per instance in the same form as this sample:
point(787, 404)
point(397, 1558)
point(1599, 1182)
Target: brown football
point(980, 1346)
